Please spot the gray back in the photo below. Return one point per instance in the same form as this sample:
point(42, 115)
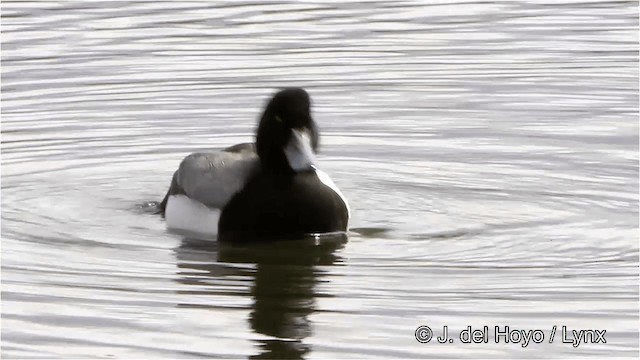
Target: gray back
point(213, 178)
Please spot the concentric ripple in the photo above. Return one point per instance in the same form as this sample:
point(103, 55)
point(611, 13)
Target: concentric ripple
point(489, 151)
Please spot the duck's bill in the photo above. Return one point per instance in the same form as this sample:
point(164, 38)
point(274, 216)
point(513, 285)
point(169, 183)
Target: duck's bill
point(299, 151)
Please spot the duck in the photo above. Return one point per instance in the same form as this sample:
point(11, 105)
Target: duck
point(272, 188)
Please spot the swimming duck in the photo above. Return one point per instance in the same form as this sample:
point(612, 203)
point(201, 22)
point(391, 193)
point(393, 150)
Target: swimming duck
point(269, 189)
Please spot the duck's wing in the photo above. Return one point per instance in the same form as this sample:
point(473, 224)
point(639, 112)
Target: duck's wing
point(213, 178)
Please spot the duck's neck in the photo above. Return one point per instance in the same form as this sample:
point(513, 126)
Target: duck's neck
point(276, 163)
point(270, 143)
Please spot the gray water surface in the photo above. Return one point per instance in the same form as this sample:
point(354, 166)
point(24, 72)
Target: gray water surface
point(489, 151)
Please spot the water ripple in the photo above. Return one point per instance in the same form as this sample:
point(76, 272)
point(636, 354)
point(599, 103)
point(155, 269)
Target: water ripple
point(489, 151)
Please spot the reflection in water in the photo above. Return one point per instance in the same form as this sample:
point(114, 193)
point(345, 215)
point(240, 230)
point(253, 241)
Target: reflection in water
point(489, 150)
point(283, 285)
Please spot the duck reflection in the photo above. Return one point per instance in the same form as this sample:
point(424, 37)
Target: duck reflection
point(283, 288)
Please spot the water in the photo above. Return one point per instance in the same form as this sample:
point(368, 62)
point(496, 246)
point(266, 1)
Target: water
point(489, 151)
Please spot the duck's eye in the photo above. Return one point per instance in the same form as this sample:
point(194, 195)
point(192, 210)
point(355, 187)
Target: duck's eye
point(278, 119)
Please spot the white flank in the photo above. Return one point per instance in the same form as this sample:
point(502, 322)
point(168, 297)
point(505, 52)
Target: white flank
point(325, 179)
point(186, 214)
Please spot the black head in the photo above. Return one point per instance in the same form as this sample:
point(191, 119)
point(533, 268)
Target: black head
point(287, 136)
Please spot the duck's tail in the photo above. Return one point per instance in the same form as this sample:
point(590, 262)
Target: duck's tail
point(174, 188)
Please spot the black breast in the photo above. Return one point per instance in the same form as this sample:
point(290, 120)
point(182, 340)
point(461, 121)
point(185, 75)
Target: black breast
point(273, 206)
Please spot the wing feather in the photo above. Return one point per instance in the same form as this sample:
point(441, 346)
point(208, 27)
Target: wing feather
point(213, 178)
